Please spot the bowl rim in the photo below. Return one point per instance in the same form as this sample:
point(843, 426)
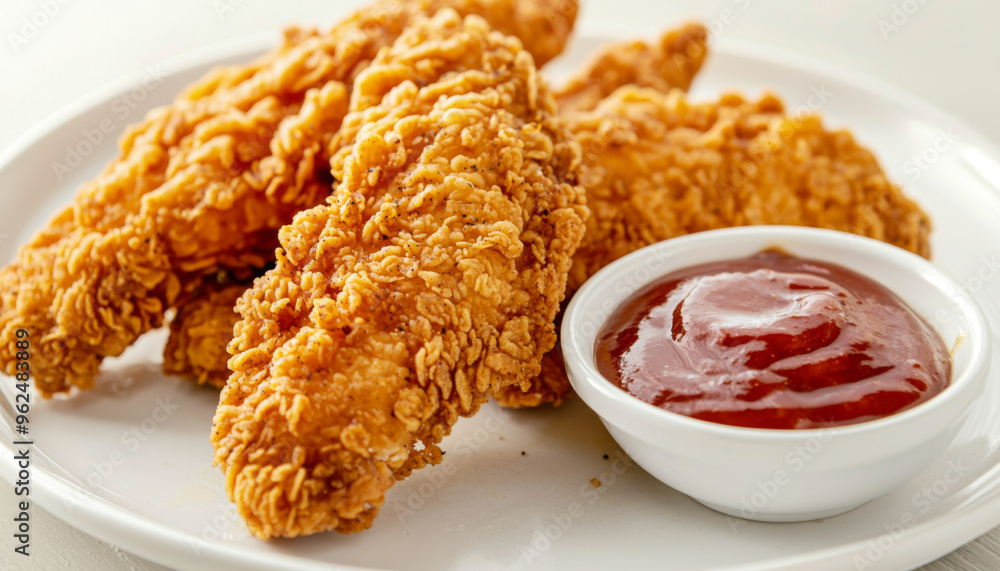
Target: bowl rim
point(971, 379)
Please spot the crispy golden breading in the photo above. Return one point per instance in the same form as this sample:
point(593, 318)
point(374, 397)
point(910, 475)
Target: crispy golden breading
point(550, 386)
point(199, 185)
point(543, 26)
point(879, 214)
point(203, 185)
point(673, 62)
point(200, 333)
point(430, 279)
point(669, 64)
point(657, 166)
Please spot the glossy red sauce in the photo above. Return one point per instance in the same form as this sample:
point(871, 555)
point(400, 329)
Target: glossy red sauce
point(773, 341)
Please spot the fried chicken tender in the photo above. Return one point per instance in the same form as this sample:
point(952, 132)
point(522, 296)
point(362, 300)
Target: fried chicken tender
point(429, 279)
point(635, 215)
point(543, 26)
point(200, 332)
point(658, 166)
point(202, 186)
point(199, 185)
point(729, 163)
point(672, 63)
point(669, 64)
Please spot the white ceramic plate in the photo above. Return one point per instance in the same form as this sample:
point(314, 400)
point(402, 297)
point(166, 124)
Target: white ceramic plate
point(129, 462)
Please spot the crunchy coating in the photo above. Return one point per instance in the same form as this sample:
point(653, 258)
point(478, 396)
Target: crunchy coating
point(733, 162)
point(429, 279)
point(668, 64)
point(671, 63)
point(657, 166)
point(544, 26)
point(202, 186)
point(199, 185)
point(200, 332)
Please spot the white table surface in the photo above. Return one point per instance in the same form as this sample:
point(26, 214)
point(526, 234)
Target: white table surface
point(947, 52)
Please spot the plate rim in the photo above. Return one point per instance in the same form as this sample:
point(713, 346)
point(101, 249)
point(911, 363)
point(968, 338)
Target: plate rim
point(147, 538)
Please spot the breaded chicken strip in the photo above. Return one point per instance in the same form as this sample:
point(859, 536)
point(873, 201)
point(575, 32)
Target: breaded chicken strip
point(672, 63)
point(669, 64)
point(202, 186)
point(199, 333)
point(635, 220)
point(429, 280)
point(198, 186)
point(734, 162)
point(658, 166)
point(543, 26)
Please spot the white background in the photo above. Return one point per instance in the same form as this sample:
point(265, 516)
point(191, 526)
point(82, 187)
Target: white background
point(945, 51)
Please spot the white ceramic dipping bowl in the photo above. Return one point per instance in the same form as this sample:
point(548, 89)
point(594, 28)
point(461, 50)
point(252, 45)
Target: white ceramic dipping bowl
point(781, 475)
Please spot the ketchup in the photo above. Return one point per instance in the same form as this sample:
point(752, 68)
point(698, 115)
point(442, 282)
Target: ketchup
point(773, 341)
